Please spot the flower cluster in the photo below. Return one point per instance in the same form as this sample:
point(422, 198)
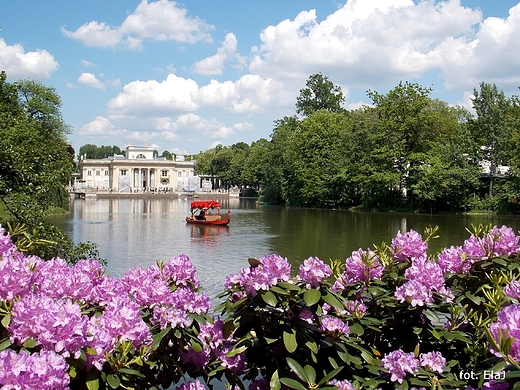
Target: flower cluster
point(508, 325)
point(498, 242)
point(399, 363)
point(361, 266)
point(270, 270)
point(425, 278)
point(407, 246)
point(313, 271)
point(513, 289)
point(45, 370)
point(79, 313)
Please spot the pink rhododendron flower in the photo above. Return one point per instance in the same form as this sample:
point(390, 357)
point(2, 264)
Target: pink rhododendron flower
point(313, 271)
point(361, 266)
point(45, 370)
point(455, 260)
point(407, 246)
point(334, 326)
point(513, 289)
point(399, 364)
point(196, 385)
point(424, 278)
point(433, 361)
point(498, 242)
point(270, 270)
point(342, 385)
point(508, 321)
point(56, 325)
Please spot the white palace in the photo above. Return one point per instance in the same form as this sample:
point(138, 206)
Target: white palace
point(138, 171)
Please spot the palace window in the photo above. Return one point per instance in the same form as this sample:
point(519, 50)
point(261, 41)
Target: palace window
point(122, 172)
point(164, 173)
point(106, 172)
point(89, 172)
point(98, 172)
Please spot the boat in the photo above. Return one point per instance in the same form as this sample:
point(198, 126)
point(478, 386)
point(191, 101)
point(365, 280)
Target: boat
point(207, 212)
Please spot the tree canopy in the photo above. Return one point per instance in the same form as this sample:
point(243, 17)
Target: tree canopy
point(36, 163)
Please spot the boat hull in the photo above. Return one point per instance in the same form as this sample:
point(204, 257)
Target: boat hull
point(220, 222)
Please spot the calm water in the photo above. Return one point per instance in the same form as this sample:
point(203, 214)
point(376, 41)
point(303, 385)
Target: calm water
point(138, 232)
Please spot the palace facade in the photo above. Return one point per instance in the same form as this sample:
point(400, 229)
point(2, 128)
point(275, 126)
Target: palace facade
point(138, 171)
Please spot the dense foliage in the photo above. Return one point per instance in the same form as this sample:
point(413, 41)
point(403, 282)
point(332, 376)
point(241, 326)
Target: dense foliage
point(405, 150)
point(388, 317)
point(36, 163)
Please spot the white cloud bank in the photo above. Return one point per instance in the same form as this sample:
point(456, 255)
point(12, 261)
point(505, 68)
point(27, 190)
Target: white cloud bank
point(161, 20)
point(17, 63)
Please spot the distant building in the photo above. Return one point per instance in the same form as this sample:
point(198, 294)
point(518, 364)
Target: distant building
point(138, 171)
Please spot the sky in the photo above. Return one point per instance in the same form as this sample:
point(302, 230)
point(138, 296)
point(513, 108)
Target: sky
point(187, 76)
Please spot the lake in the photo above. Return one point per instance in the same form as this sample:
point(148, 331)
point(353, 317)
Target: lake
point(136, 232)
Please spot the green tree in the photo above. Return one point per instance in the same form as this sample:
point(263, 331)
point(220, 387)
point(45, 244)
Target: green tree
point(491, 128)
point(256, 165)
point(408, 125)
point(280, 172)
point(36, 163)
point(167, 155)
point(320, 94)
point(317, 149)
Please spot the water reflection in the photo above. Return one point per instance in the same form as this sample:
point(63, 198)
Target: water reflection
point(138, 232)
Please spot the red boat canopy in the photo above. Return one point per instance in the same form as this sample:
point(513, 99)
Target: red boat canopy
point(204, 204)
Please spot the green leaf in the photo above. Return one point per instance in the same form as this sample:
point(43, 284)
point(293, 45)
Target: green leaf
point(113, 381)
point(310, 374)
point(269, 298)
point(130, 371)
point(291, 383)
point(312, 346)
point(356, 329)
point(289, 340)
point(92, 380)
point(333, 301)
point(29, 343)
point(297, 369)
point(330, 375)
point(311, 297)
point(5, 344)
point(6, 320)
point(288, 286)
point(157, 338)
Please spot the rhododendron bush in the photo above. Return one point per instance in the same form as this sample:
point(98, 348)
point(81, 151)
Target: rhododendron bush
point(393, 316)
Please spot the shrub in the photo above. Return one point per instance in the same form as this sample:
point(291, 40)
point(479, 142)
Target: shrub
point(388, 317)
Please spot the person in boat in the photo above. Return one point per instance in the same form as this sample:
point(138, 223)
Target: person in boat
point(200, 215)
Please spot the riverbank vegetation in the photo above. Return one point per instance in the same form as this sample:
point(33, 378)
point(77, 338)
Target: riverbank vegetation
point(36, 163)
point(406, 150)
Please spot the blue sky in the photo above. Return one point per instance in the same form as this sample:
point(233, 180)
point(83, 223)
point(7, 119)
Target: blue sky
point(185, 76)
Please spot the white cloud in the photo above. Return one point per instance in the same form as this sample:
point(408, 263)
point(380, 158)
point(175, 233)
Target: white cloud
point(376, 41)
point(194, 125)
point(492, 55)
point(100, 126)
point(95, 34)
point(175, 94)
point(214, 65)
point(159, 20)
point(249, 94)
point(17, 63)
point(87, 64)
point(90, 80)
point(244, 126)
